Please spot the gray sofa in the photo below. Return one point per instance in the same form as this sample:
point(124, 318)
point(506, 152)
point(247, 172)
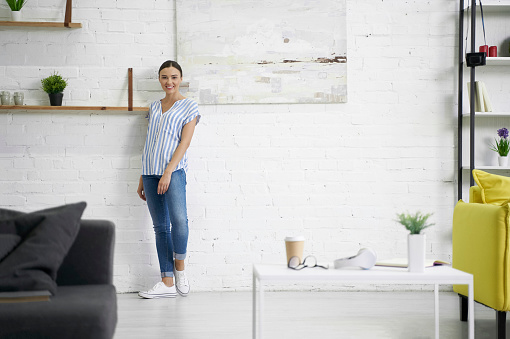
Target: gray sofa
point(85, 303)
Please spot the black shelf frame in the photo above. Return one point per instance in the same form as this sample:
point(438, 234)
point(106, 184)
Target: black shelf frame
point(461, 57)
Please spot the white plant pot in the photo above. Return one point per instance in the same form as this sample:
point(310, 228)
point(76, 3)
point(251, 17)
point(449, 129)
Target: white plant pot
point(16, 15)
point(416, 252)
point(503, 161)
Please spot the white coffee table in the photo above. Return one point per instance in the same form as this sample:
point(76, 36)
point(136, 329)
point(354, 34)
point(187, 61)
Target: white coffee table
point(437, 275)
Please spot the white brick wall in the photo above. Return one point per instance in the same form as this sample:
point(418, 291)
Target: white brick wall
point(337, 174)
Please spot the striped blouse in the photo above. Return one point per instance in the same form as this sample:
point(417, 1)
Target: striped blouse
point(164, 135)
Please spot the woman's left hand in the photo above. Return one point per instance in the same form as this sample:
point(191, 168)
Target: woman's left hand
point(164, 183)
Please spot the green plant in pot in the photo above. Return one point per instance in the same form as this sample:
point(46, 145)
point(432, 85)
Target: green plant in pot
point(54, 85)
point(416, 241)
point(16, 6)
point(414, 223)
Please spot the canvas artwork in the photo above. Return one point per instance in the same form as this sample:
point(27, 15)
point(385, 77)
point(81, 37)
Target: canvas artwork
point(263, 51)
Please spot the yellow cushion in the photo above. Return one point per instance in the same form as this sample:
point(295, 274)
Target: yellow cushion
point(480, 238)
point(495, 188)
point(475, 195)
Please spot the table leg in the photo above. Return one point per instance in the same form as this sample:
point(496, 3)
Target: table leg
point(471, 311)
point(436, 309)
point(261, 308)
point(254, 308)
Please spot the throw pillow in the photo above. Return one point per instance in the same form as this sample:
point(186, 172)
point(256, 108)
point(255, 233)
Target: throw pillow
point(495, 189)
point(46, 236)
point(7, 243)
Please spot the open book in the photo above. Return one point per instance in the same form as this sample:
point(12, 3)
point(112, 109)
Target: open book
point(402, 262)
point(24, 296)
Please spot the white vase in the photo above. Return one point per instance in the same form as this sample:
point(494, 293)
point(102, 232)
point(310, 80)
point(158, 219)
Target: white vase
point(416, 252)
point(16, 15)
point(503, 161)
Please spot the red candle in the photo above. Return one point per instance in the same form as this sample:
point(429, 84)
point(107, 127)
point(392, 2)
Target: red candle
point(493, 51)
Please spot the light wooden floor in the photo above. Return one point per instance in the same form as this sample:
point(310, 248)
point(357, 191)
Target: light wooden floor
point(296, 315)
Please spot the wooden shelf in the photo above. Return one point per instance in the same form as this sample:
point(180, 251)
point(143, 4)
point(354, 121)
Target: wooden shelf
point(40, 24)
point(71, 108)
point(66, 24)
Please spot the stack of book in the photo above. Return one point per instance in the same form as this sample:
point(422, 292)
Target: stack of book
point(482, 101)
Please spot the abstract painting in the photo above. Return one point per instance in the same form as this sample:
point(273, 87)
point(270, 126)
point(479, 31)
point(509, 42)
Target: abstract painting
point(263, 51)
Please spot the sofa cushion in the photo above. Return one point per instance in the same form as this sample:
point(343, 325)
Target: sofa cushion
point(46, 236)
point(77, 312)
point(495, 189)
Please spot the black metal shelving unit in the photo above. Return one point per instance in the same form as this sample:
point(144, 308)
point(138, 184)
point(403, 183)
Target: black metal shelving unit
point(472, 9)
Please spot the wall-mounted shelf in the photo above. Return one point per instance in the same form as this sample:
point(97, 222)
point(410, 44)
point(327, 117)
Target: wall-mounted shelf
point(40, 24)
point(129, 108)
point(66, 24)
point(71, 108)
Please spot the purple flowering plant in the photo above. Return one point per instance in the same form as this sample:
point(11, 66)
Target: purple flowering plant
point(503, 146)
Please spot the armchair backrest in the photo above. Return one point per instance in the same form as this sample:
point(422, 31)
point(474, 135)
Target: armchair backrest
point(90, 258)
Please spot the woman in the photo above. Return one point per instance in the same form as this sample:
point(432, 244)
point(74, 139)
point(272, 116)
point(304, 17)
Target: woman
point(162, 184)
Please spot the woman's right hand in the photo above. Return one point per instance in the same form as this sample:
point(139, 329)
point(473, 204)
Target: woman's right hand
point(140, 191)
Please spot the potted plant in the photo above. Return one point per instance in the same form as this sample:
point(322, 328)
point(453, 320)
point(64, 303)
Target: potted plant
point(502, 147)
point(416, 241)
point(54, 85)
point(16, 6)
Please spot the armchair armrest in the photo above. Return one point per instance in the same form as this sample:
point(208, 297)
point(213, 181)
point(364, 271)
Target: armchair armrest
point(90, 258)
point(480, 247)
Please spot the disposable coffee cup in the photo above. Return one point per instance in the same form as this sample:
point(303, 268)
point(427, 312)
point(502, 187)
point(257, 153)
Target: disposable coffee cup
point(294, 247)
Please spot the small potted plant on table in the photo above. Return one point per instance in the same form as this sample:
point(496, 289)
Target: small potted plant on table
point(416, 241)
point(54, 85)
point(16, 6)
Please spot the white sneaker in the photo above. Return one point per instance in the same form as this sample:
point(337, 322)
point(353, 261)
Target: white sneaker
point(160, 290)
point(181, 283)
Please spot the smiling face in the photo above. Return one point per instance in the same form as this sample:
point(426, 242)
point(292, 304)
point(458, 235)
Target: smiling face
point(170, 79)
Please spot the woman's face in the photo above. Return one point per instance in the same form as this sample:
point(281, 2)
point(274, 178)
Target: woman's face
point(170, 80)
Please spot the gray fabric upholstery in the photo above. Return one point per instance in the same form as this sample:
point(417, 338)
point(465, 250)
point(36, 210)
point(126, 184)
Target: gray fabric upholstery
point(7, 243)
point(90, 259)
point(85, 303)
point(75, 312)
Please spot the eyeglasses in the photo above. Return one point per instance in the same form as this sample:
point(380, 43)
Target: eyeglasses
point(310, 262)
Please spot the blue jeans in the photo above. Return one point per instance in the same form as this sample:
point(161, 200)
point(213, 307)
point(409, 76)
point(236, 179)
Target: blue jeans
point(169, 217)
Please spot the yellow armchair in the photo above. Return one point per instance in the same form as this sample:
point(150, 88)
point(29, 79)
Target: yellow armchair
point(481, 241)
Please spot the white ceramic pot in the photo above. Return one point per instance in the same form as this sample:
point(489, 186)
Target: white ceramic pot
point(416, 252)
point(16, 15)
point(18, 98)
point(503, 161)
point(5, 98)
